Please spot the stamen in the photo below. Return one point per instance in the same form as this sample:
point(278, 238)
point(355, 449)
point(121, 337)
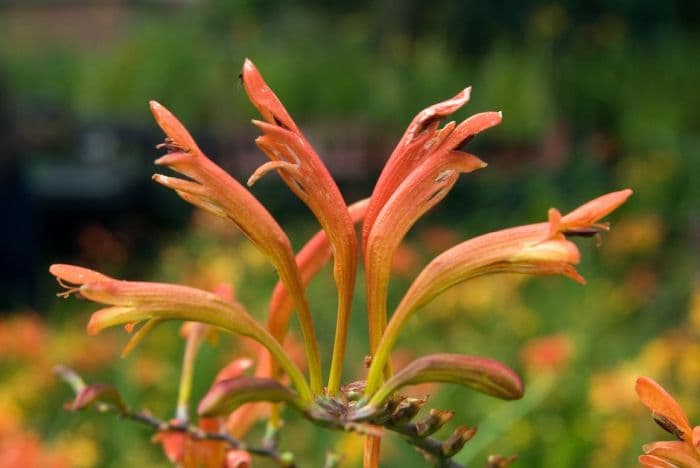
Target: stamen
point(66, 294)
point(270, 166)
point(171, 146)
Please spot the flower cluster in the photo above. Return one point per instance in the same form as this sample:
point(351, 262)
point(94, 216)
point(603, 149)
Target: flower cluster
point(422, 169)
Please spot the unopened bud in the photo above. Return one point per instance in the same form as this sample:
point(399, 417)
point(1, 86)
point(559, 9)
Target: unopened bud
point(456, 441)
point(406, 410)
point(384, 415)
point(433, 422)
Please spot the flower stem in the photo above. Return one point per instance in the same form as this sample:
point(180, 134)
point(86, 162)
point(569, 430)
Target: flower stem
point(185, 388)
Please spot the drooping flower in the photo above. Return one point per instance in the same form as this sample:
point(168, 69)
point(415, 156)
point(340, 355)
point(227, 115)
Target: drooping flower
point(213, 190)
point(540, 249)
point(132, 302)
point(685, 452)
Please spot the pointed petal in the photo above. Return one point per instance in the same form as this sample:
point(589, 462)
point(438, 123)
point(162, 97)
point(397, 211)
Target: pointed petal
point(473, 125)
point(263, 98)
point(227, 395)
point(480, 374)
point(596, 209)
point(661, 403)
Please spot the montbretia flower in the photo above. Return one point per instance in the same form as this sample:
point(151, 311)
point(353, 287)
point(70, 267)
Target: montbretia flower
point(213, 190)
point(421, 171)
point(539, 249)
point(132, 302)
point(685, 452)
point(293, 157)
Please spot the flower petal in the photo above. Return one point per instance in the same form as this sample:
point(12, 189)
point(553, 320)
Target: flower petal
point(662, 404)
point(676, 452)
point(655, 462)
point(589, 213)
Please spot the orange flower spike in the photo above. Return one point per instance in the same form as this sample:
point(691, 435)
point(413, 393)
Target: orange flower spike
point(424, 188)
point(665, 409)
point(133, 301)
point(540, 249)
point(214, 190)
point(306, 175)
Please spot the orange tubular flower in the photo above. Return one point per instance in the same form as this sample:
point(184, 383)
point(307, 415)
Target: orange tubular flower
point(420, 172)
point(669, 415)
point(303, 171)
point(540, 249)
point(310, 259)
point(132, 302)
point(213, 190)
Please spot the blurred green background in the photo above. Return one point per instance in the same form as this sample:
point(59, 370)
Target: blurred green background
point(596, 97)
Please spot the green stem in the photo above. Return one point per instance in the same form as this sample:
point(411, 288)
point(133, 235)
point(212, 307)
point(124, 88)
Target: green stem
point(339, 344)
point(185, 389)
